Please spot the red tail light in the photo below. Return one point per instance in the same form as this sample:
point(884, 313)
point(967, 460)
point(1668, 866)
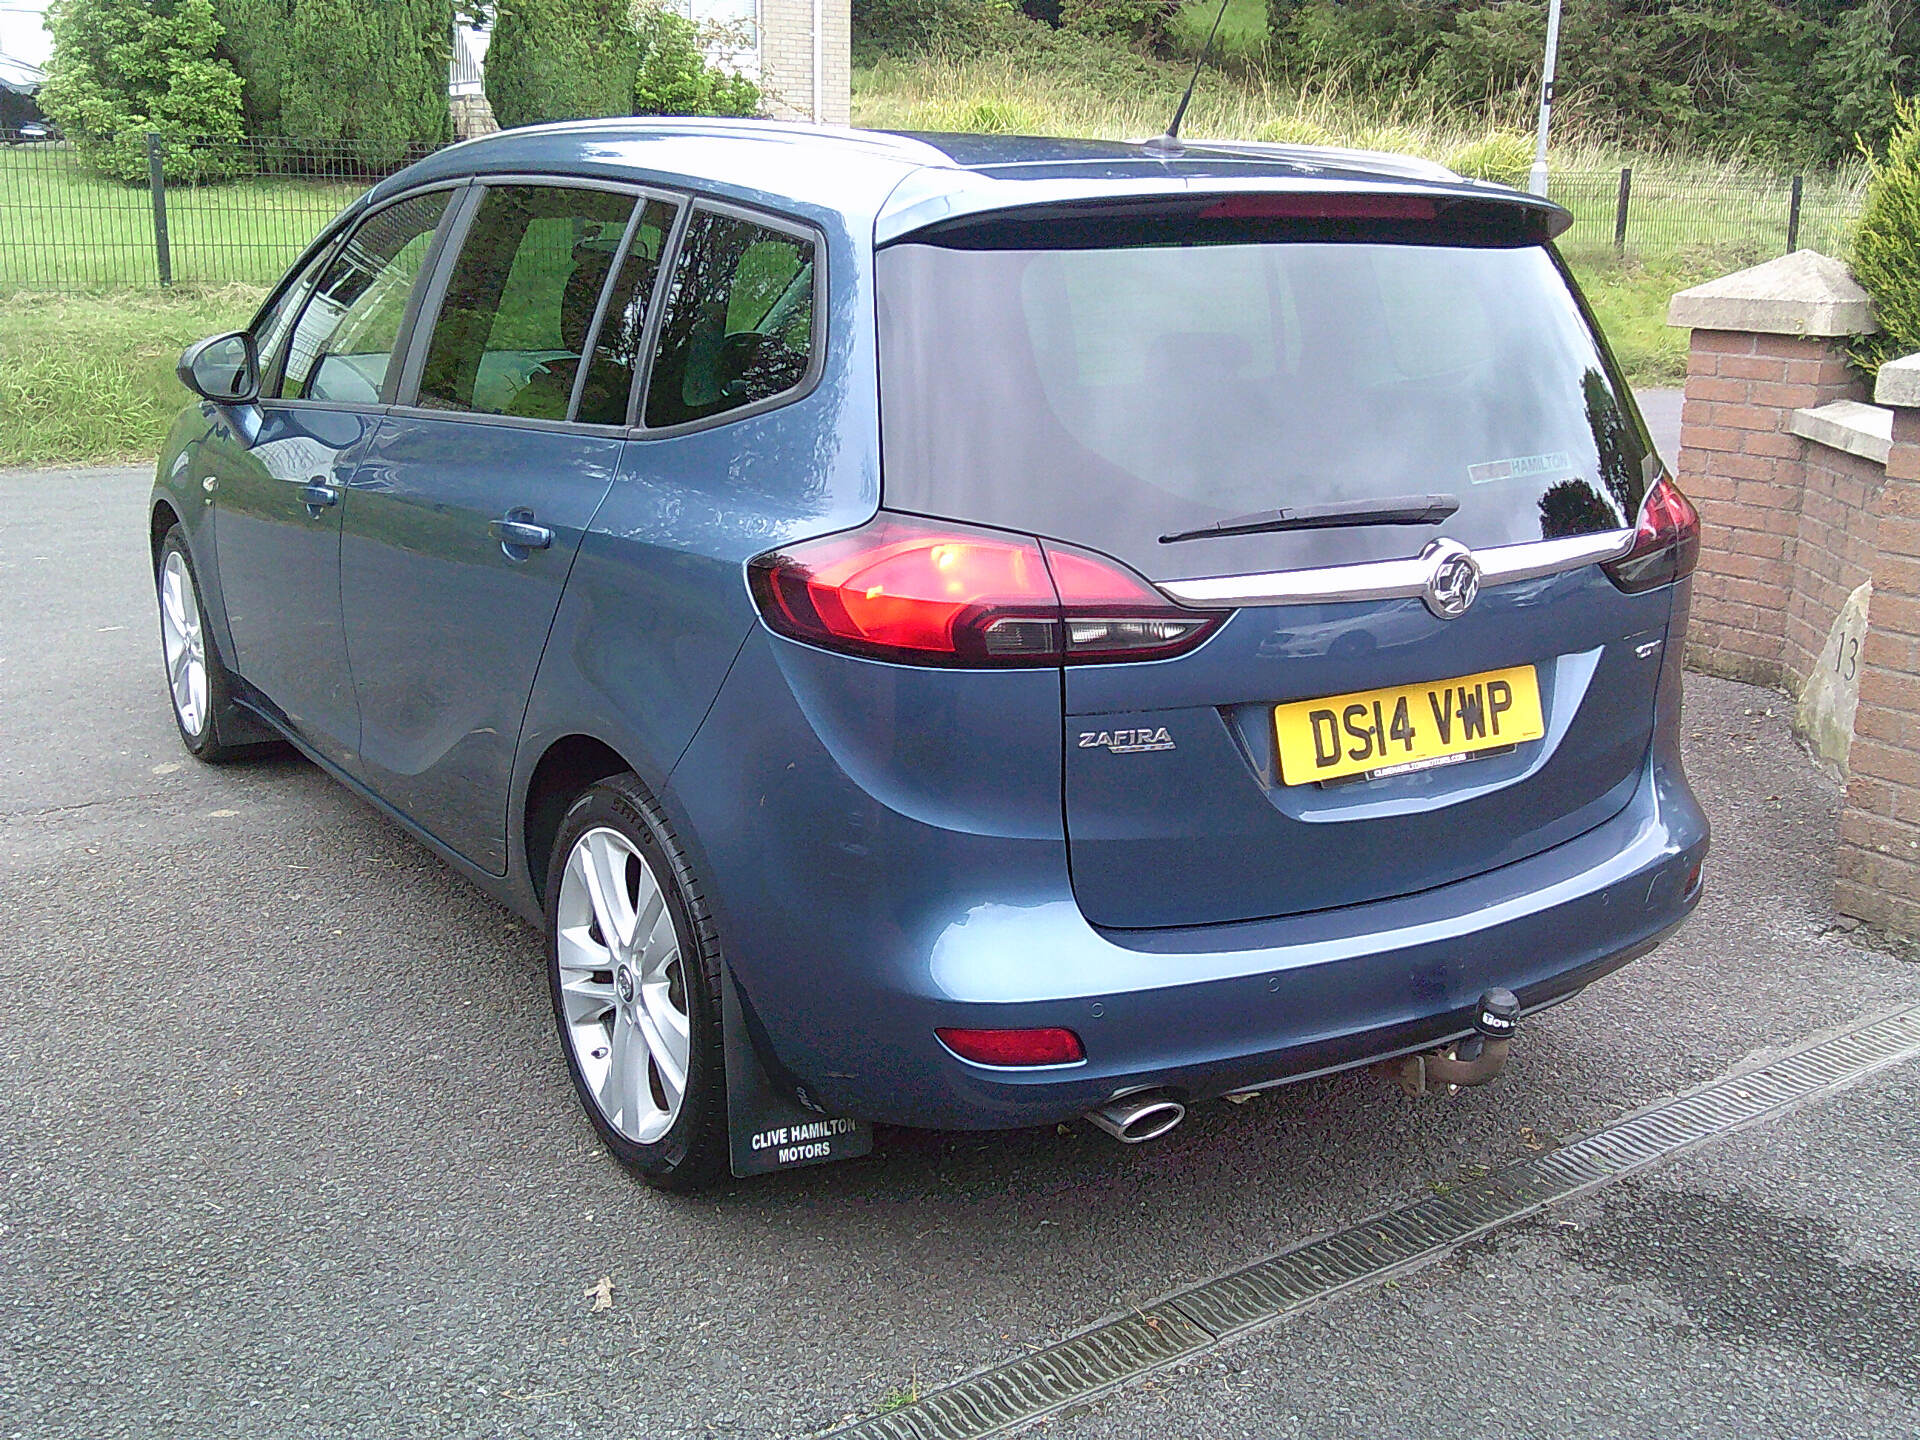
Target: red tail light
point(901, 588)
point(1321, 207)
point(1666, 542)
point(1014, 1047)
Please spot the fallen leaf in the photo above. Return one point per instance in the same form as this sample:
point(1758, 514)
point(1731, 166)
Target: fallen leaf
point(601, 1294)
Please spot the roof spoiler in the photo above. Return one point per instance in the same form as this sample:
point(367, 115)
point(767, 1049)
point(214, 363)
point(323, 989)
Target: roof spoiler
point(1049, 214)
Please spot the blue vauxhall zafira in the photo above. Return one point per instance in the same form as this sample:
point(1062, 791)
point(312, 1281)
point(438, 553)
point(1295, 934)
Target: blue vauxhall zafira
point(958, 631)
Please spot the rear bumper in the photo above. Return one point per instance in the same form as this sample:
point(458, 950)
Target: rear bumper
point(856, 924)
point(1205, 1012)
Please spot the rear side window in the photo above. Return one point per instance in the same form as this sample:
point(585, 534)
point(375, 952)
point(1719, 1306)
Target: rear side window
point(521, 299)
point(345, 336)
point(739, 321)
point(616, 348)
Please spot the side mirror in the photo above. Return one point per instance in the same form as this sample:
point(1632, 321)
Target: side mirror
point(223, 369)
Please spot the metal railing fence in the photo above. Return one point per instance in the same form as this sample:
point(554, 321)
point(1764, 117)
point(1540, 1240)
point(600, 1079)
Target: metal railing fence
point(147, 210)
point(1639, 214)
point(201, 213)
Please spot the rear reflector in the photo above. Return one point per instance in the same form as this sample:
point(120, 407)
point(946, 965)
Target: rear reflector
point(925, 592)
point(1014, 1047)
point(1666, 541)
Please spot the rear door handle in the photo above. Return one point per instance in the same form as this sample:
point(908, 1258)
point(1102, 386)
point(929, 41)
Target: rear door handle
point(317, 495)
point(516, 532)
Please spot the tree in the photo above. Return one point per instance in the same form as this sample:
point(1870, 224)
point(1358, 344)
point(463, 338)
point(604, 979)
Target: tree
point(122, 68)
point(674, 77)
point(561, 60)
point(370, 75)
point(258, 33)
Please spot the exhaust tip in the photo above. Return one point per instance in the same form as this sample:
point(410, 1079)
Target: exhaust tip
point(1137, 1118)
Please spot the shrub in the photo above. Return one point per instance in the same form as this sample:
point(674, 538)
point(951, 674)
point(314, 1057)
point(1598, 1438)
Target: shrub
point(1295, 130)
point(1243, 30)
point(908, 28)
point(1393, 139)
point(674, 77)
point(1777, 78)
point(1502, 156)
point(1139, 22)
point(369, 74)
point(121, 68)
point(257, 36)
point(988, 116)
point(1886, 248)
point(561, 60)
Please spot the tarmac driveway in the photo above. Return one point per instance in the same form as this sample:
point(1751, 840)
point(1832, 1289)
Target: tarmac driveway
point(286, 1146)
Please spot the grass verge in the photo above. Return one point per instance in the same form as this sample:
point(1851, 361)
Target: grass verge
point(89, 378)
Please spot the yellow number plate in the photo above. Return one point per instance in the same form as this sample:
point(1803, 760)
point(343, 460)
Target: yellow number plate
point(1381, 729)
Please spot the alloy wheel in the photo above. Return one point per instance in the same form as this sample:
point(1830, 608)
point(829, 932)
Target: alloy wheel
point(623, 985)
point(184, 644)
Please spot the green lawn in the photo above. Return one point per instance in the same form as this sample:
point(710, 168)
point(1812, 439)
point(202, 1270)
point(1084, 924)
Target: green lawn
point(62, 227)
point(90, 378)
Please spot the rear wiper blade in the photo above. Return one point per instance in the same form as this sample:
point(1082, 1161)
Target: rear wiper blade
point(1389, 510)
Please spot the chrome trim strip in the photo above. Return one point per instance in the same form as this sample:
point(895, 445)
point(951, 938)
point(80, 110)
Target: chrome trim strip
point(1396, 579)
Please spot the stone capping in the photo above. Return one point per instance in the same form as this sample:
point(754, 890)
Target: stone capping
point(1899, 383)
point(1805, 293)
point(1849, 425)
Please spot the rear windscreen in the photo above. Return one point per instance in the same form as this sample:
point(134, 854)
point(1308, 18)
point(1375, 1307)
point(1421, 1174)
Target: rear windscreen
point(1113, 396)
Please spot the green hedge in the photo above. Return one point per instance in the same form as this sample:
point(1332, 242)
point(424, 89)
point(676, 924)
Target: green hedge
point(561, 60)
point(370, 73)
point(1797, 80)
point(1886, 248)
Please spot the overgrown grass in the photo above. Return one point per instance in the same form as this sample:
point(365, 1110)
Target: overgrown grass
point(942, 88)
point(1691, 217)
point(90, 378)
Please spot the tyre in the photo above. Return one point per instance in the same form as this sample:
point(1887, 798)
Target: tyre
point(203, 708)
point(634, 967)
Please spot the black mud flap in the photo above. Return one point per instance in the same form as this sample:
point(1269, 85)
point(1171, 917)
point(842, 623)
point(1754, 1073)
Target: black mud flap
point(767, 1127)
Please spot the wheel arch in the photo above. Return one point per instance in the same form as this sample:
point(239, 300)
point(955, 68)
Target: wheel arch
point(567, 766)
point(163, 519)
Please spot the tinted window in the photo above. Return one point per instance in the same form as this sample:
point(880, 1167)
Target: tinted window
point(1112, 396)
point(616, 349)
point(521, 299)
point(345, 337)
point(739, 323)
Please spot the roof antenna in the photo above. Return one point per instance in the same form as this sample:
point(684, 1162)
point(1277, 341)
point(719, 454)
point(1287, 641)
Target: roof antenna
point(1169, 143)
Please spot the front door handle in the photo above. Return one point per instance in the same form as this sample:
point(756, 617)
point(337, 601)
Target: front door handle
point(517, 533)
point(317, 495)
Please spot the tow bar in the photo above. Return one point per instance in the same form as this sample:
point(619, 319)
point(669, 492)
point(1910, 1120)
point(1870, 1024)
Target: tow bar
point(1472, 1061)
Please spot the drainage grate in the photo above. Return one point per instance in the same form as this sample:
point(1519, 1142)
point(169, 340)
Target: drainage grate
point(1190, 1320)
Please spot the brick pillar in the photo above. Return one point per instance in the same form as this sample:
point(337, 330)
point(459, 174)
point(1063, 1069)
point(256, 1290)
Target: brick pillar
point(1766, 342)
point(1877, 870)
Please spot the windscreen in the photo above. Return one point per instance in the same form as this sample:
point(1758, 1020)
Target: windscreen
point(1113, 396)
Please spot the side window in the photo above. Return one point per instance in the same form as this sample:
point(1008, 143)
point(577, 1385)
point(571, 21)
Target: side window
point(739, 323)
point(616, 350)
point(513, 328)
point(345, 336)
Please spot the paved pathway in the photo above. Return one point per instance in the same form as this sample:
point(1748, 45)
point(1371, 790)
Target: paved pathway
point(286, 1148)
